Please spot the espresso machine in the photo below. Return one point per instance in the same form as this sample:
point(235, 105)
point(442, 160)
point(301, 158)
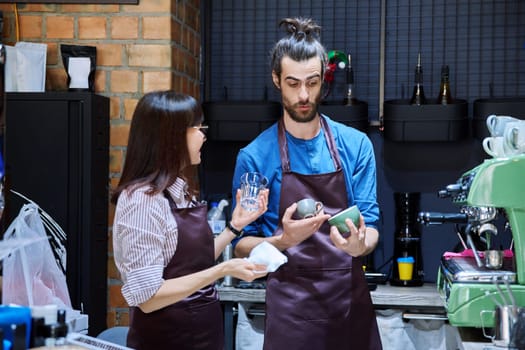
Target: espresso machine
point(471, 290)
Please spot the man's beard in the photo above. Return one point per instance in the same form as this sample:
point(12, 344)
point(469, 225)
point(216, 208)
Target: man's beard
point(301, 118)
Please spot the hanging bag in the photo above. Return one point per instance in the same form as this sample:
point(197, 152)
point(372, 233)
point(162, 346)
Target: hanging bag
point(31, 275)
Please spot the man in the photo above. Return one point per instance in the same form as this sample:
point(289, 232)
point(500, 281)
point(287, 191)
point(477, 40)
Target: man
point(320, 298)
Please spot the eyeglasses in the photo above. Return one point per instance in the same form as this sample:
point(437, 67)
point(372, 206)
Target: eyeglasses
point(202, 128)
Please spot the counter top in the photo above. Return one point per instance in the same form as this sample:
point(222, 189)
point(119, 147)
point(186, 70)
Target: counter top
point(385, 295)
point(61, 347)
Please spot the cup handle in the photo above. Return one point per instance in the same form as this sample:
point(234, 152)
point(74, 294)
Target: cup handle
point(491, 122)
point(486, 146)
point(511, 136)
point(318, 207)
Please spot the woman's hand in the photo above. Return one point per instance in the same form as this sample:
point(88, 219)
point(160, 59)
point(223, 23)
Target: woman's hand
point(356, 243)
point(244, 269)
point(242, 217)
point(296, 231)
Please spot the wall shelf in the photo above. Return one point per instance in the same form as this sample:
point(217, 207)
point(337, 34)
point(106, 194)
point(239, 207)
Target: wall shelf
point(239, 120)
point(429, 122)
point(355, 115)
point(511, 106)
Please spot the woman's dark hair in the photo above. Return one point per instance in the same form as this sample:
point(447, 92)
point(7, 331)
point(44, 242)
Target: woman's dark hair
point(157, 151)
point(301, 43)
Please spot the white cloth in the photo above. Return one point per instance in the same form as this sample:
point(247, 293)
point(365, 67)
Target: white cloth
point(414, 334)
point(250, 329)
point(266, 254)
point(394, 331)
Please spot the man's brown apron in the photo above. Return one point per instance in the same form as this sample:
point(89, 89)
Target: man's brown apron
point(196, 321)
point(320, 298)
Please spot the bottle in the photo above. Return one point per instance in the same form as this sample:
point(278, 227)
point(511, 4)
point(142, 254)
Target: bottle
point(217, 216)
point(444, 97)
point(418, 95)
point(349, 99)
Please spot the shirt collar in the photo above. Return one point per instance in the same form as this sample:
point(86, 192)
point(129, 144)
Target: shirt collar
point(177, 190)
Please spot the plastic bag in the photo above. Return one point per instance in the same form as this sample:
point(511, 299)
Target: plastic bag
point(31, 275)
point(25, 67)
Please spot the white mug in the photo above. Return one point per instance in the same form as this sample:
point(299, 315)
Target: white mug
point(495, 146)
point(514, 136)
point(496, 123)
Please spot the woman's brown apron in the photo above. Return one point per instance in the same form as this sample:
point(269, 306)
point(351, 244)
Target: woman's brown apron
point(196, 321)
point(320, 298)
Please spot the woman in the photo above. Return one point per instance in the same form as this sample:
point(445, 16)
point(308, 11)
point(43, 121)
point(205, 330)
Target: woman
point(163, 246)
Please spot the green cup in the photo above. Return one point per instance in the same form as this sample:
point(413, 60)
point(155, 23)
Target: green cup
point(338, 220)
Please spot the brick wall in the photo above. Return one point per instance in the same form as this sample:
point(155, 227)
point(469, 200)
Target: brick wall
point(140, 48)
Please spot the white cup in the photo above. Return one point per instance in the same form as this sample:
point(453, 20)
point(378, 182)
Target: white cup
point(495, 146)
point(496, 123)
point(251, 185)
point(514, 136)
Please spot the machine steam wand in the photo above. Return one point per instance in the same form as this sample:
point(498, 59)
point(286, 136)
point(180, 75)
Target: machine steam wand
point(473, 246)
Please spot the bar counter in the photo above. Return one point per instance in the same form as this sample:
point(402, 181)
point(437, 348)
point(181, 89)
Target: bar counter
point(411, 299)
point(385, 296)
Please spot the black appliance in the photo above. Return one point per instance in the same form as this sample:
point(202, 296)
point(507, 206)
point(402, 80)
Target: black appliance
point(407, 238)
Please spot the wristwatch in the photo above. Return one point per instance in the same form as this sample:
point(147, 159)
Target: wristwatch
point(236, 232)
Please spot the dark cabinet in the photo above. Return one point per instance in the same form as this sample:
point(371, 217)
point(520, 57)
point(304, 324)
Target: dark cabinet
point(57, 154)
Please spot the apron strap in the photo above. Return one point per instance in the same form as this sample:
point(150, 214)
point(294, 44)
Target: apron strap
point(283, 145)
point(172, 203)
point(331, 143)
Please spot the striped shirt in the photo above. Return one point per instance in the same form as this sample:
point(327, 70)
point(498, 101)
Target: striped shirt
point(145, 239)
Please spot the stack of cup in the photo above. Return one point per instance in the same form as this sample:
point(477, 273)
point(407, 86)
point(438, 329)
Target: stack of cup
point(507, 136)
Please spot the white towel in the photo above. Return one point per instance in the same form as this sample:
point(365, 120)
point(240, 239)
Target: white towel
point(266, 254)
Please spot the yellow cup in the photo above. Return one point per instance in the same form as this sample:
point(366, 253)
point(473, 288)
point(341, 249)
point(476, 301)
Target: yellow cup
point(405, 265)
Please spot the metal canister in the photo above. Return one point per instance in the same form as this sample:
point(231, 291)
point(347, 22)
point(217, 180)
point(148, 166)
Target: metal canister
point(227, 255)
point(493, 259)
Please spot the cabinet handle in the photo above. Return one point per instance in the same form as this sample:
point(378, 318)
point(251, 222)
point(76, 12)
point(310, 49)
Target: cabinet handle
point(417, 316)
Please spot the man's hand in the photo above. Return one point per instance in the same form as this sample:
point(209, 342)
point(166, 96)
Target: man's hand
point(296, 231)
point(361, 241)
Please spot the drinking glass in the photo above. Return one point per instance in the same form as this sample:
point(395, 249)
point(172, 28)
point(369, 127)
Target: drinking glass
point(251, 185)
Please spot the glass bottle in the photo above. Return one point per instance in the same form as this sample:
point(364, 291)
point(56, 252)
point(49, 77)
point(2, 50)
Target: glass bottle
point(349, 99)
point(418, 95)
point(444, 97)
